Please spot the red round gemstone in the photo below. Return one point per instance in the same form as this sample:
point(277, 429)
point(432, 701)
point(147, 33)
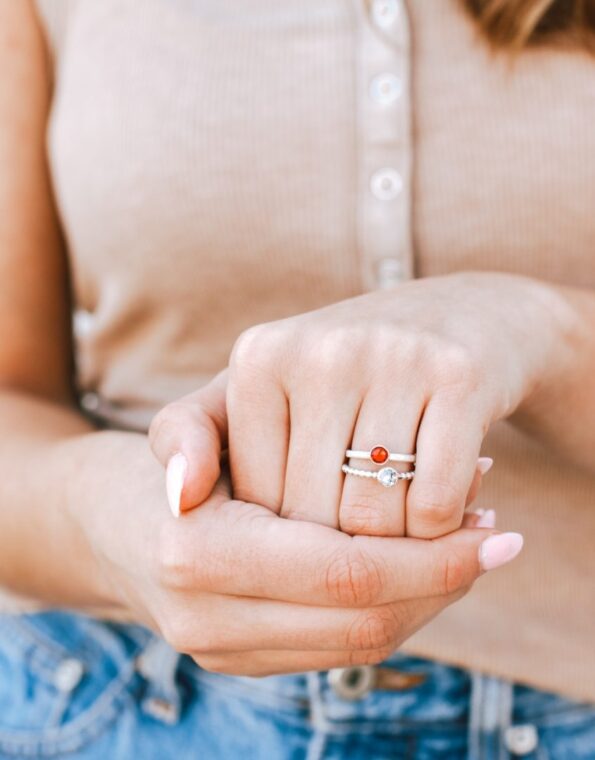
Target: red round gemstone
point(379, 454)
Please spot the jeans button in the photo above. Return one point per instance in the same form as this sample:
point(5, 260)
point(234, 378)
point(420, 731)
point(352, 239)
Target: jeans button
point(68, 674)
point(352, 683)
point(521, 740)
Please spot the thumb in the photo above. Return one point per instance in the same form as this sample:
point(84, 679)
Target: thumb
point(187, 437)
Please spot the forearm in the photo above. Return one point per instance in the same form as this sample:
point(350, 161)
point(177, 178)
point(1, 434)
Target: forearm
point(58, 471)
point(560, 408)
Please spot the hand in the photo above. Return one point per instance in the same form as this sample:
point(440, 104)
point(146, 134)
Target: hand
point(428, 366)
point(245, 592)
point(189, 437)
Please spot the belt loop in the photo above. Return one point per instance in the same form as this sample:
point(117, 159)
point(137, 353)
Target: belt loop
point(158, 664)
point(490, 716)
point(318, 721)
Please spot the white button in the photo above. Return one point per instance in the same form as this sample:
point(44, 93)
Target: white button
point(386, 184)
point(352, 683)
point(90, 401)
point(385, 88)
point(68, 674)
point(385, 12)
point(521, 740)
point(82, 323)
point(390, 273)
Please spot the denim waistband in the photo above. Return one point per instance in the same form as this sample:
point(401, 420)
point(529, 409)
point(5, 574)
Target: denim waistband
point(491, 718)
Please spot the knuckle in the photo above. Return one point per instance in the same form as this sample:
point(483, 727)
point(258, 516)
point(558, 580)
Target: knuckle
point(434, 502)
point(458, 368)
point(175, 568)
point(451, 574)
point(353, 578)
point(365, 514)
point(373, 630)
point(454, 573)
point(253, 346)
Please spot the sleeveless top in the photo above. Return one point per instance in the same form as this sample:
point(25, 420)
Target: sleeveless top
point(218, 164)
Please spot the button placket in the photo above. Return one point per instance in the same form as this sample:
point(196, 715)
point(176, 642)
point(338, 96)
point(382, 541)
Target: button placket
point(383, 100)
point(385, 88)
point(385, 13)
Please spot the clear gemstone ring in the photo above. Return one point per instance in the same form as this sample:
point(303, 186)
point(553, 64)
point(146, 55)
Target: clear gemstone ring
point(387, 476)
point(379, 455)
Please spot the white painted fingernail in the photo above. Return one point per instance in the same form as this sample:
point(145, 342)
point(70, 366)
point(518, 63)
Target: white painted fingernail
point(484, 464)
point(499, 549)
point(487, 519)
point(174, 481)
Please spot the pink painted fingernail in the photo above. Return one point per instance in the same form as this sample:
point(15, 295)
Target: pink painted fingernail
point(484, 464)
point(487, 519)
point(174, 481)
point(499, 549)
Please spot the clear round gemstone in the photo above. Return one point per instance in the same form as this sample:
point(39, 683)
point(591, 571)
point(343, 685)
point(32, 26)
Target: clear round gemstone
point(387, 476)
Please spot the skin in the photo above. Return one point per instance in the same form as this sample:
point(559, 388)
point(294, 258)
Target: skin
point(428, 366)
point(83, 517)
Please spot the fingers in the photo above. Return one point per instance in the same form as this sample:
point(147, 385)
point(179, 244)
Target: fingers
point(480, 518)
point(258, 428)
point(368, 639)
point(367, 507)
point(484, 465)
point(262, 663)
point(321, 430)
point(448, 444)
point(228, 624)
point(187, 437)
point(315, 565)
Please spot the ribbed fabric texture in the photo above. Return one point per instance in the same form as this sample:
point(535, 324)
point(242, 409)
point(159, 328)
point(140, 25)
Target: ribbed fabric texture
point(207, 159)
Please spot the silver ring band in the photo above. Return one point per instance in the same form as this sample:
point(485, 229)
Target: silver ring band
point(387, 476)
point(353, 454)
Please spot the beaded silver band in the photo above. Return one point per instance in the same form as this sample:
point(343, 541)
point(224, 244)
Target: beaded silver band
point(387, 476)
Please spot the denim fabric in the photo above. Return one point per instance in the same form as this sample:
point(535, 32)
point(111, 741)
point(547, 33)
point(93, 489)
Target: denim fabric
point(72, 687)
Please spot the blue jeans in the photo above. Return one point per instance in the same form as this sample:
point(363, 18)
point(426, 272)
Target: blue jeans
point(72, 687)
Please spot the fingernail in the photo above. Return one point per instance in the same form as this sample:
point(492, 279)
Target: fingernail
point(487, 519)
point(484, 464)
point(499, 549)
point(174, 481)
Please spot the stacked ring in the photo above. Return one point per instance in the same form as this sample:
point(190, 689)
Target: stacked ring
point(380, 455)
point(386, 476)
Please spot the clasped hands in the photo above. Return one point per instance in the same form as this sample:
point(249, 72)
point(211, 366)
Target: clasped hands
point(303, 567)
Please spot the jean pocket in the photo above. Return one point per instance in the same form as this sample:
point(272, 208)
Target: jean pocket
point(63, 680)
point(566, 729)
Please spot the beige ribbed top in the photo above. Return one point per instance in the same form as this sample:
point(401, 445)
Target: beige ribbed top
point(219, 164)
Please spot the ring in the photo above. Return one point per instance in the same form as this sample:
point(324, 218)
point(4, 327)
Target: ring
point(387, 476)
point(379, 455)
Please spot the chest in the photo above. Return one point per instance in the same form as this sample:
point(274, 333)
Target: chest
point(325, 140)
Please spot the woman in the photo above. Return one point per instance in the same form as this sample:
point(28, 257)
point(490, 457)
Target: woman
point(210, 167)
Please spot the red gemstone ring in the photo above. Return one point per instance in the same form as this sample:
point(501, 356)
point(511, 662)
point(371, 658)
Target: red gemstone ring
point(379, 455)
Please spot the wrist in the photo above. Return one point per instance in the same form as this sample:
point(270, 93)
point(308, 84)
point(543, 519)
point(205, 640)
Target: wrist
point(560, 338)
point(110, 481)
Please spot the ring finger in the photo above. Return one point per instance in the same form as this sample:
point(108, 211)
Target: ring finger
point(376, 506)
